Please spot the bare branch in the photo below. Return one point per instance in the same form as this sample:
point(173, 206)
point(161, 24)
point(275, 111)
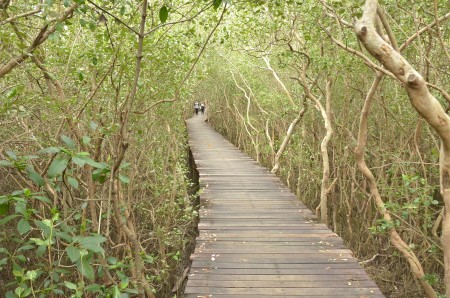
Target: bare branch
point(114, 17)
point(22, 15)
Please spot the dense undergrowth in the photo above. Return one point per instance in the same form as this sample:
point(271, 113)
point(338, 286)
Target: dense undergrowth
point(96, 198)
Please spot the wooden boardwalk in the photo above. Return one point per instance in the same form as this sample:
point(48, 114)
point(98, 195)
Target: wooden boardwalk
point(256, 239)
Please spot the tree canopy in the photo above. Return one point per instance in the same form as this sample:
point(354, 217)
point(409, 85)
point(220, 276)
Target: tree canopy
point(345, 100)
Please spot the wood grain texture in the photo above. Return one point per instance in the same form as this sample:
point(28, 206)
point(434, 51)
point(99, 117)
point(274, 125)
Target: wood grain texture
point(256, 239)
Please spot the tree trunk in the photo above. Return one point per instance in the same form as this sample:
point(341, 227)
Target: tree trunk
point(426, 105)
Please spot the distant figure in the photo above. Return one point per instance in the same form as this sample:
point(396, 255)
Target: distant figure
point(202, 108)
point(196, 106)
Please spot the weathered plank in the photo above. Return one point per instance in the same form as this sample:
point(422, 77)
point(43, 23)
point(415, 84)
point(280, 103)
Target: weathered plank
point(255, 238)
point(332, 292)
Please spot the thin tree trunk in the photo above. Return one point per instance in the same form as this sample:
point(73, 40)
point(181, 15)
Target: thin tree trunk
point(287, 138)
point(431, 110)
point(326, 114)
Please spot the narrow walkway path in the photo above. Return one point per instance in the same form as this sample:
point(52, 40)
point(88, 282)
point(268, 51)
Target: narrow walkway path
point(256, 239)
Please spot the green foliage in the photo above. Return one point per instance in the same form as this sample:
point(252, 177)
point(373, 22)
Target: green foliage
point(163, 14)
point(62, 163)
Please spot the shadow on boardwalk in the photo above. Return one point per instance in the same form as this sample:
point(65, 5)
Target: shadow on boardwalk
point(256, 239)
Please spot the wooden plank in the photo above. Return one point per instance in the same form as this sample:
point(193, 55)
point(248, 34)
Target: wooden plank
point(267, 234)
point(289, 257)
point(264, 259)
point(334, 242)
point(256, 239)
point(276, 277)
point(342, 292)
point(277, 271)
point(283, 284)
point(351, 264)
point(272, 249)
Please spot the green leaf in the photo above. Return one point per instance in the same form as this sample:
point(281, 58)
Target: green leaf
point(70, 285)
point(21, 258)
point(26, 247)
point(83, 22)
point(5, 163)
point(217, 3)
point(8, 218)
point(43, 199)
point(4, 208)
point(19, 291)
point(72, 181)
point(91, 243)
point(40, 242)
point(12, 93)
point(31, 275)
point(11, 154)
point(94, 288)
point(35, 177)
point(86, 140)
point(27, 192)
point(125, 165)
point(68, 141)
point(124, 283)
point(54, 36)
point(45, 225)
point(17, 270)
point(99, 175)
point(73, 253)
point(57, 167)
point(50, 150)
point(78, 161)
point(116, 293)
point(94, 164)
point(163, 14)
point(41, 250)
point(93, 125)
point(85, 268)
point(23, 226)
point(3, 262)
point(131, 291)
point(124, 179)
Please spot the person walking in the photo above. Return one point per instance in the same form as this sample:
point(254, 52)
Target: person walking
point(196, 107)
point(202, 108)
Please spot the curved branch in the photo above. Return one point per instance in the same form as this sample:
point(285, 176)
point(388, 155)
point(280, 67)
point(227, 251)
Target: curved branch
point(23, 15)
point(431, 110)
point(40, 38)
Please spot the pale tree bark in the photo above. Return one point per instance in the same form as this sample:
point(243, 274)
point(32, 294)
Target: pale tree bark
point(326, 116)
point(246, 120)
point(394, 237)
point(431, 110)
point(270, 140)
point(287, 138)
point(290, 131)
point(325, 187)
